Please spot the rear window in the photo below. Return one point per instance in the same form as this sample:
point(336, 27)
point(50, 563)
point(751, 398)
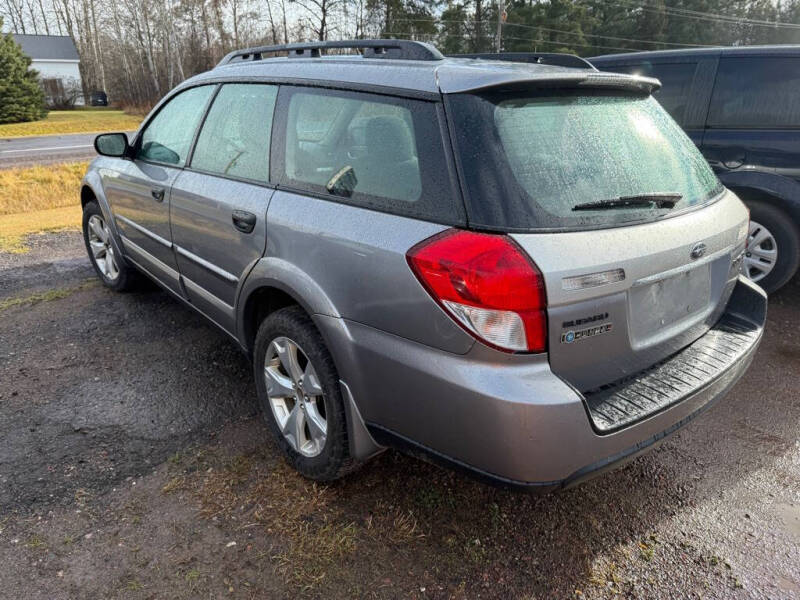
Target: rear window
point(756, 92)
point(380, 152)
point(529, 159)
point(376, 144)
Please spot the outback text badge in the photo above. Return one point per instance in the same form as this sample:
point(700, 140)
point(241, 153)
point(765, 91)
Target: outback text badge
point(574, 336)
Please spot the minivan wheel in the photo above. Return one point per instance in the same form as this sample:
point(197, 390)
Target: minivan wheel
point(299, 393)
point(97, 236)
point(773, 247)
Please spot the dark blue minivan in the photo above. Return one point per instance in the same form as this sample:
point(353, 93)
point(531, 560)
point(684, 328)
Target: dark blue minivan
point(741, 106)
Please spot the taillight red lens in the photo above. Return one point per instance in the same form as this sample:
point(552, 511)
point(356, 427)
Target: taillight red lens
point(487, 284)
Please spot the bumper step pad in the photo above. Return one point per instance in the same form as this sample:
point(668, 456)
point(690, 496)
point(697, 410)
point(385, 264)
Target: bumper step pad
point(620, 404)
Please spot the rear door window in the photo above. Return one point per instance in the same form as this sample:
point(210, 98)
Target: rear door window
point(168, 136)
point(377, 151)
point(756, 92)
point(234, 141)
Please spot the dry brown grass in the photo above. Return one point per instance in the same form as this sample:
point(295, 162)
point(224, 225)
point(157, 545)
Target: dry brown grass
point(54, 294)
point(15, 228)
point(73, 121)
point(140, 110)
point(38, 199)
point(315, 537)
point(30, 189)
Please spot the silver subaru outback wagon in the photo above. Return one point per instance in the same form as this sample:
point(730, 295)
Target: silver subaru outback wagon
point(525, 271)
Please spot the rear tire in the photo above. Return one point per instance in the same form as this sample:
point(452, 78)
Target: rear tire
point(300, 396)
point(778, 226)
point(110, 268)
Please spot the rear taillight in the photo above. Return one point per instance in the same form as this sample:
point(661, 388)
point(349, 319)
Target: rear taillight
point(488, 285)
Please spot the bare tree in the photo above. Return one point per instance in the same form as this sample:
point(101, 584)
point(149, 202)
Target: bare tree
point(318, 13)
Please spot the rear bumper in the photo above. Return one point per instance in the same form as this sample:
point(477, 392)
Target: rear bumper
point(508, 419)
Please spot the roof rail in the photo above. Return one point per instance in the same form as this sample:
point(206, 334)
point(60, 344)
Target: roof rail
point(397, 49)
point(541, 58)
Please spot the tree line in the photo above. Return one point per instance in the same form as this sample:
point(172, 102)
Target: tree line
point(136, 50)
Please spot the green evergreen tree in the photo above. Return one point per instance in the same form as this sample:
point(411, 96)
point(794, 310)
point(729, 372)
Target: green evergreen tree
point(455, 29)
point(21, 97)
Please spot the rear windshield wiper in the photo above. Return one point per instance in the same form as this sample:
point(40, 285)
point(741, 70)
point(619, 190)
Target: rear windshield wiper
point(659, 200)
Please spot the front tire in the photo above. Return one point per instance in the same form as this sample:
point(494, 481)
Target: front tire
point(110, 268)
point(773, 247)
point(299, 395)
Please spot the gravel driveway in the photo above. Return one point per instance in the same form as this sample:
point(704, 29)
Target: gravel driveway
point(132, 465)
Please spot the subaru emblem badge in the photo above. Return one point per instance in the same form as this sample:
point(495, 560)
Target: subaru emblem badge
point(698, 250)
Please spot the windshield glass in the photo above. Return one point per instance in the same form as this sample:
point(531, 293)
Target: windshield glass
point(543, 154)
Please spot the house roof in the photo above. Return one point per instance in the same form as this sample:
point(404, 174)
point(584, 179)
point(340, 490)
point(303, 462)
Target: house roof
point(47, 47)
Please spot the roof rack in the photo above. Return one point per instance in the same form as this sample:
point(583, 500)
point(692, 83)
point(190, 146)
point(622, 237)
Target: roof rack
point(541, 58)
point(396, 49)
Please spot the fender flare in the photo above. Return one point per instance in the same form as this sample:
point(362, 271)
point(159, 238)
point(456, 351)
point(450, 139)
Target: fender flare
point(272, 272)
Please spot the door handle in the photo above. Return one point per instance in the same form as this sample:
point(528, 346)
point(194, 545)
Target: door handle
point(735, 161)
point(243, 221)
point(157, 194)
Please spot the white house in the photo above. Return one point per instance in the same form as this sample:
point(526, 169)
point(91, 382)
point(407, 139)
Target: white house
point(56, 59)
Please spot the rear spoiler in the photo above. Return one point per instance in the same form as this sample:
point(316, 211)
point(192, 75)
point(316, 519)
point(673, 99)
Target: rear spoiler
point(522, 76)
point(539, 58)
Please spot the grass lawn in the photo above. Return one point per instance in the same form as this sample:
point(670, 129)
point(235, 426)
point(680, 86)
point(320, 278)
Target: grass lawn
point(73, 121)
point(38, 199)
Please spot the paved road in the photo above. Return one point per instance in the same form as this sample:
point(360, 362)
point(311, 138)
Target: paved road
point(132, 466)
point(16, 152)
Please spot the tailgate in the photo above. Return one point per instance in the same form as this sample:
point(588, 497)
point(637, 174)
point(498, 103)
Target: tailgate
point(622, 299)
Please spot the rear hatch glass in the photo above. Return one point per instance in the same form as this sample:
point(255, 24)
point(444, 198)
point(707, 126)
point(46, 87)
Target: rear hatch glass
point(565, 160)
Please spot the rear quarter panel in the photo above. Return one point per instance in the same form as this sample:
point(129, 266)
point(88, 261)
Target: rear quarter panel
point(350, 262)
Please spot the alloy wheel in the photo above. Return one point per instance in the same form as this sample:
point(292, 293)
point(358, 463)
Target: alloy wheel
point(761, 254)
point(102, 250)
point(295, 396)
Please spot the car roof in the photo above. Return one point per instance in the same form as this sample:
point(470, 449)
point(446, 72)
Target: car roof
point(773, 50)
point(446, 75)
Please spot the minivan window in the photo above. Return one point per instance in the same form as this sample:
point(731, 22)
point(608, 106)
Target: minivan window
point(234, 140)
point(676, 83)
point(756, 92)
point(543, 154)
point(168, 136)
point(378, 151)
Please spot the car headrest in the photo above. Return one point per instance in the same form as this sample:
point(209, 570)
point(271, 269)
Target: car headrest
point(388, 139)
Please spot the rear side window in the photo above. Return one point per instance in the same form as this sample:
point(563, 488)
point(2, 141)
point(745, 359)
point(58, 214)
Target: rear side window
point(756, 92)
point(168, 136)
point(377, 151)
point(531, 159)
point(676, 83)
point(235, 137)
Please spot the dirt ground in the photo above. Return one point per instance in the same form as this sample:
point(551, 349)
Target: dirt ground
point(133, 465)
